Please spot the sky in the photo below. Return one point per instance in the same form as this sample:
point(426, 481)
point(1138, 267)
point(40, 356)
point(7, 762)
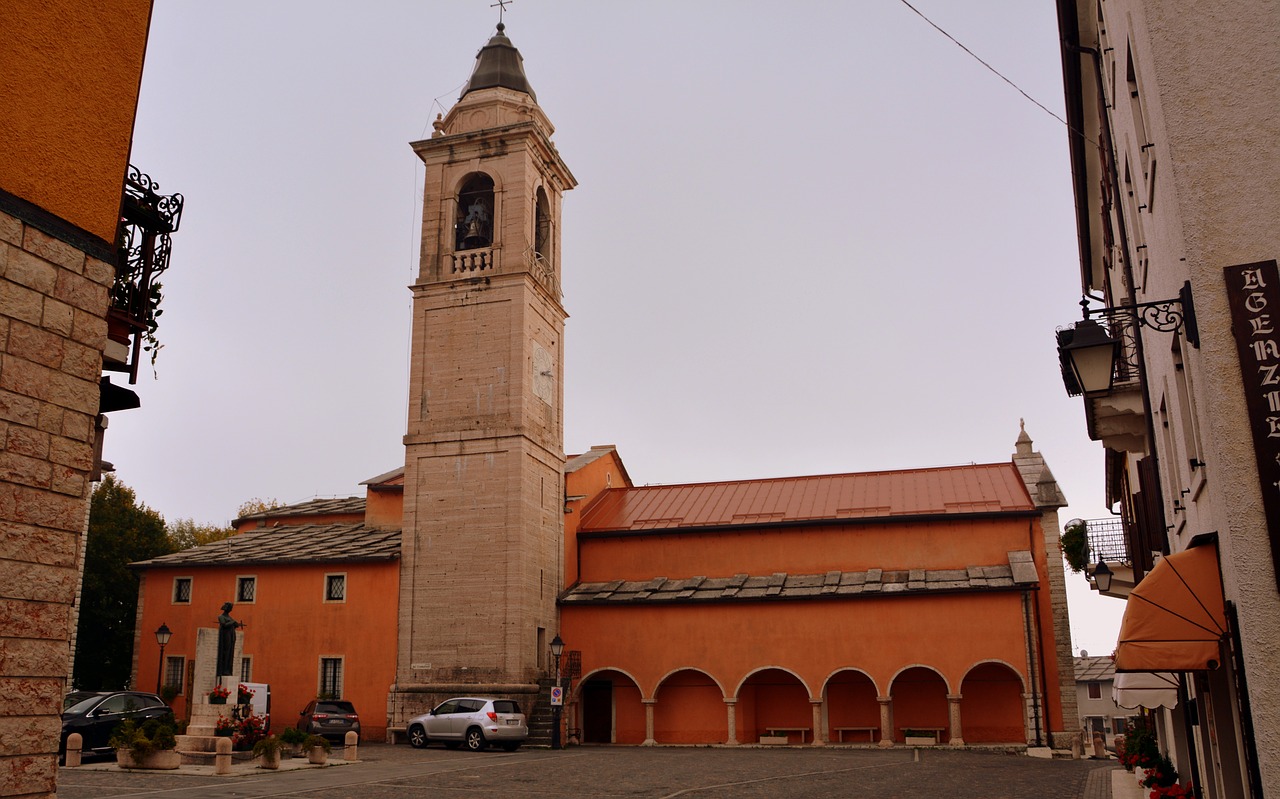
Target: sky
point(808, 238)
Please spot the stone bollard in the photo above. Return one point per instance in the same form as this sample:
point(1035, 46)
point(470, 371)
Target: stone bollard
point(351, 745)
point(75, 743)
point(1099, 746)
point(222, 756)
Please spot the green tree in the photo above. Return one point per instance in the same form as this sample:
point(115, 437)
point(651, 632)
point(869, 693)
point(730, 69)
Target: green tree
point(121, 531)
point(186, 533)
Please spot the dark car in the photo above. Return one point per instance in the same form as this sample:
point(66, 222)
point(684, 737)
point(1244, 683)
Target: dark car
point(332, 718)
point(96, 715)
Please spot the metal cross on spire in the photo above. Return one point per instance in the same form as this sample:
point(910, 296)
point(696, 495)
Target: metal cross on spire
point(501, 5)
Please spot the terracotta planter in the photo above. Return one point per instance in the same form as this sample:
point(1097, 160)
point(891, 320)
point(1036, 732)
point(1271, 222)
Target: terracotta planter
point(162, 760)
point(317, 756)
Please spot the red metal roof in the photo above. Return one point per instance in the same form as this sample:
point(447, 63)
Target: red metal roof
point(952, 490)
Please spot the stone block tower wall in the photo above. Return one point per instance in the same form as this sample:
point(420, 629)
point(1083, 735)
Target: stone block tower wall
point(484, 450)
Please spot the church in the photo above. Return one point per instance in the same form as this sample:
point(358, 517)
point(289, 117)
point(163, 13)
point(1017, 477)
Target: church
point(858, 608)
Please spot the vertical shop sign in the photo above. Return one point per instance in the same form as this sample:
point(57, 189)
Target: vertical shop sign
point(1253, 293)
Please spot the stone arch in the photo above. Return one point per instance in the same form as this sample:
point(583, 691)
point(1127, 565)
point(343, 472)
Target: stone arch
point(689, 709)
point(991, 703)
point(919, 695)
point(475, 212)
point(542, 225)
point(772, 697)
point(609, 707)
point(850, 706)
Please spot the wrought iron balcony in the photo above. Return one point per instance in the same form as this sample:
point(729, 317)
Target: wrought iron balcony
point(1107, 540)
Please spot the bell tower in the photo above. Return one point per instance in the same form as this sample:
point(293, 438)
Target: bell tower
point(483, 523)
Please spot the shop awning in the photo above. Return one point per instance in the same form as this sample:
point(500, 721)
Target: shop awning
point(1145, 689)
point(1174, 618)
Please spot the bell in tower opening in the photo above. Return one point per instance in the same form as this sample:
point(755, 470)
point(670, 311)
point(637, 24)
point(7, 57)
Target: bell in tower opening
point(475, 213)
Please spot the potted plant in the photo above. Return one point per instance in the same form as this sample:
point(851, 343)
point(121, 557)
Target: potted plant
point(1075, 546)
point(218, 696)
point(244, 695)
point(295, 738)
point(248, 731)
point(270, 750)
point(318, 749)
point(224, 727)
point(150, 745)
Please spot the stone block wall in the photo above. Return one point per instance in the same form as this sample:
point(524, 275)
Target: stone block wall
point(53, 301)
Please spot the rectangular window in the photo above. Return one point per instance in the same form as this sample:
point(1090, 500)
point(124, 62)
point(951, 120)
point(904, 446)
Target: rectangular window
point(335, 588)
point(246, 668)
point(174, 669)
point(181, 590)
point(331, 678)
point(1095, 690)
point(246, 588)
point(1117, 725)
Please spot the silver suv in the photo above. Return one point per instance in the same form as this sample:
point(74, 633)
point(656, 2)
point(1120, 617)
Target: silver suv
point(472, 721)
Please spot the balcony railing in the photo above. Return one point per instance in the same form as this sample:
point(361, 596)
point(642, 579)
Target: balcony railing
point(1107, 540)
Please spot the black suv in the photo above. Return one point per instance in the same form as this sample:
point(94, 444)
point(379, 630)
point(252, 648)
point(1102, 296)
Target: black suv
point(95, 716)
point(332, 718)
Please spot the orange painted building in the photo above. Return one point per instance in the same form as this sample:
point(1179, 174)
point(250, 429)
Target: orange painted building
point(316, 588)
point(842, 608)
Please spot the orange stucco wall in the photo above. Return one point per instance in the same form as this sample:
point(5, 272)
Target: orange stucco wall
point(802, 550)
point(289, 627)
point(588, 483)
point(70, 80)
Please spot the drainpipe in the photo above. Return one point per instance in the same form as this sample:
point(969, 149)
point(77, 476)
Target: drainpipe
point(1031, 663)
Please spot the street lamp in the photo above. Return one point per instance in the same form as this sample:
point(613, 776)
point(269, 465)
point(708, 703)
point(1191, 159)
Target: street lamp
point(557, 649)
point(1091, 355)
point(1102, 576)
point(162, 638)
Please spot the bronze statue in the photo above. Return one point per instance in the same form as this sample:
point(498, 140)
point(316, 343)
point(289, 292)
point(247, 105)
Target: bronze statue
point(227, 627)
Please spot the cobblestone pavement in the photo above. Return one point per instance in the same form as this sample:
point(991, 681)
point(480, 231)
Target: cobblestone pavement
point(626, 773)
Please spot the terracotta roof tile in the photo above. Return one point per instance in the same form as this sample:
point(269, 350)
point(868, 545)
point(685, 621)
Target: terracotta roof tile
point(955, 490)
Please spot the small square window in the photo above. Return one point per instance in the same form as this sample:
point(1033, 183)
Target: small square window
point(1095, 690)
point(246, 588)
point(335, 588)
point(181, 590)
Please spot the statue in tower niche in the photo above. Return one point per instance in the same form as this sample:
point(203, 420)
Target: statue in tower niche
point(227, 627)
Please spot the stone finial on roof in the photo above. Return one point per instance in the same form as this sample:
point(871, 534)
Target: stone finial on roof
point(1035, 473)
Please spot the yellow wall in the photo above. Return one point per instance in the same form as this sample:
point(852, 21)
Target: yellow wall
point(69, 76)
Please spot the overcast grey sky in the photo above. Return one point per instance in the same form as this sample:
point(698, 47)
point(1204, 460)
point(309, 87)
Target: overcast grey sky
point(808, 237)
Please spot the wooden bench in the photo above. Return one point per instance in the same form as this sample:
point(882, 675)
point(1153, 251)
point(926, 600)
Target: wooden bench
point(870, 731)
point(784, 733)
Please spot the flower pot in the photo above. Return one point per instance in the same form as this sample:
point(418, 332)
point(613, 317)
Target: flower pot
point(270, 760)
point(317, 756)
point(161, 760)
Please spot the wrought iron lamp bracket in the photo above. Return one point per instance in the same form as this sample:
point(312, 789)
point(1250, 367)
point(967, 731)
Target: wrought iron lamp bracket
point(1164, 316)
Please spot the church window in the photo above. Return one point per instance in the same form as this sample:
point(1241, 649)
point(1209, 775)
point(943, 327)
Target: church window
point(475, 217)
point(181, 590)
point(331, 678)
point(542, 225)
point(246, 588)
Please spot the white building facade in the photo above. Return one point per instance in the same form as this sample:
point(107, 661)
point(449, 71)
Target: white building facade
point(1174, 115)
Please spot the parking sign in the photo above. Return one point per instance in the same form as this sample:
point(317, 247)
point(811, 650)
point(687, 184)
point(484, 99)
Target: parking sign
point(557, 696)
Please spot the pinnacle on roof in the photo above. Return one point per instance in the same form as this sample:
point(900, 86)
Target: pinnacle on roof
point(498, 64)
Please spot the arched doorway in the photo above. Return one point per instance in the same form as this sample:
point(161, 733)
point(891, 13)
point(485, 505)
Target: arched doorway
point(920, 703)
point(610, 709)
point(690, 709)
point(991, 707)
point(774, 701)
point(853, 714)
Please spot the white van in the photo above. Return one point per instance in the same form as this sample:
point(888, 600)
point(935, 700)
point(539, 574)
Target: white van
point(261, 701)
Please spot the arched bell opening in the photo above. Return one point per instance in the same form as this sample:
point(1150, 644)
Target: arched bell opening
point(542, 226)
point(475, 213)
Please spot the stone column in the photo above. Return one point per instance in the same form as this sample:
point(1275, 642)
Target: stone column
point(731, 707)
point(818, 738)
point(953, 708)
point(1029, 716)
point(648, 721)
point(886, 720)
